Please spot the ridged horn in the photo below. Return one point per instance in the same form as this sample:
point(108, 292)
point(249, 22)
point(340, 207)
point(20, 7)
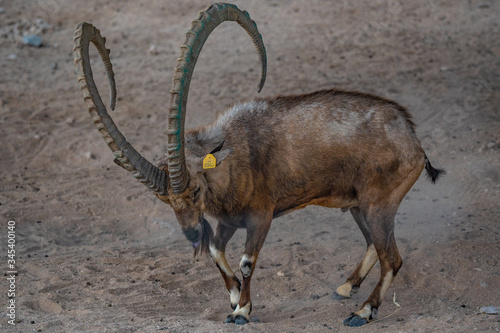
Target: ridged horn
point(126, 156)
point(195, 38)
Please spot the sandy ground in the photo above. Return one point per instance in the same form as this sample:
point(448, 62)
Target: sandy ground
point(97, 252)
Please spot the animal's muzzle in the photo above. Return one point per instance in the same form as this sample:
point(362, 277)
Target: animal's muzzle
point(194, 234)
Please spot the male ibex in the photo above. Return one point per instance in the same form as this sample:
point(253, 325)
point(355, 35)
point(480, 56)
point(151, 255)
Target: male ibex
point(270, 156)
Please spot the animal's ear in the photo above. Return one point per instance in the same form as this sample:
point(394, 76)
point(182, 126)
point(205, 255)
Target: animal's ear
point(221, 155)
point(214, 158)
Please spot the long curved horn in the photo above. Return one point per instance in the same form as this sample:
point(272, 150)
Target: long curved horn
point(190, 50)
point(126, 156)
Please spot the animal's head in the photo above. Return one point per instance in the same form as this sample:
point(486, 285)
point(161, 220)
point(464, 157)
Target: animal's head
point(180, 179)
point(190, 204)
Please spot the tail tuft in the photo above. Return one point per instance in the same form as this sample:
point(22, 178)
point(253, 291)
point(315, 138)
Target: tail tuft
point(432, 173)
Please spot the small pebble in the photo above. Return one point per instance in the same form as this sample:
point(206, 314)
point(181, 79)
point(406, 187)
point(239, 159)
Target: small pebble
point(12, 56)
point(153, 50)
point(32, 40)
point(490, 310)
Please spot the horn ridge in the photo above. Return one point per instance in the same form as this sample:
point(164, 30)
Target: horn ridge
point(126, 156)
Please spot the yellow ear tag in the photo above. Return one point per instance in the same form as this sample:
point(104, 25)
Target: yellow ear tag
point(209, 162)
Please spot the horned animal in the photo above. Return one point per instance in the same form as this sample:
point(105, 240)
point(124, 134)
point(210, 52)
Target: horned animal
point(269, 156)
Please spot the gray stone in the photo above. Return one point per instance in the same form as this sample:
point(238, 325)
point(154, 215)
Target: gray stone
point(32, 40)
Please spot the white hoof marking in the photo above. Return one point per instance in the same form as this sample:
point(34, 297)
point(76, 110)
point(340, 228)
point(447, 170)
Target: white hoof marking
point(345, 290)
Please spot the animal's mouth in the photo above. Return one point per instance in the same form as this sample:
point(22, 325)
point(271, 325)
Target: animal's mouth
point(194, 235)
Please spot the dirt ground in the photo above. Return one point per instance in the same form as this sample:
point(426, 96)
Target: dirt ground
point(97, 252)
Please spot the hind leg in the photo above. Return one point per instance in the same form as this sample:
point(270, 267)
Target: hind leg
point(352, 283)
point(379, 213)
point(390, 263)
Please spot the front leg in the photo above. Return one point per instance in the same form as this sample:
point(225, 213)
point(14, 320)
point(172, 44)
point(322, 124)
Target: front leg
point(217, 252)
point(257, 229)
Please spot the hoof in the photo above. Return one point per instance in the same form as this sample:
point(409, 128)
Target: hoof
point(240, 320)
point(337, 297)
point(355, 321)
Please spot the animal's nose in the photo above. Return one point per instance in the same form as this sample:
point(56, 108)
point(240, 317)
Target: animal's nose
point(192, 234)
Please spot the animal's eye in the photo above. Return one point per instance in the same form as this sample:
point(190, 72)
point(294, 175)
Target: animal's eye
point(196, 192)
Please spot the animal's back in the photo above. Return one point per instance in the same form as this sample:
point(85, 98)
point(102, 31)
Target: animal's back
point(327, 117)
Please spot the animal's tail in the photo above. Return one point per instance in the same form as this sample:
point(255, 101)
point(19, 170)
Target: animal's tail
point(432, 173)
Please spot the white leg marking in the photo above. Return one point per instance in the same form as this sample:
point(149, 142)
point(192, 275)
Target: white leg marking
point(369, 260)
point(214, 253)
point(234, 296)
point(246, 265)
point(220, 259)
point(386, 284)
point(365, 312)
point(244, 311)
point(367, 263)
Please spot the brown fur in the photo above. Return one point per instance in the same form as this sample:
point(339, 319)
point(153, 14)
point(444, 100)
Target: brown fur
point(331, 148)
